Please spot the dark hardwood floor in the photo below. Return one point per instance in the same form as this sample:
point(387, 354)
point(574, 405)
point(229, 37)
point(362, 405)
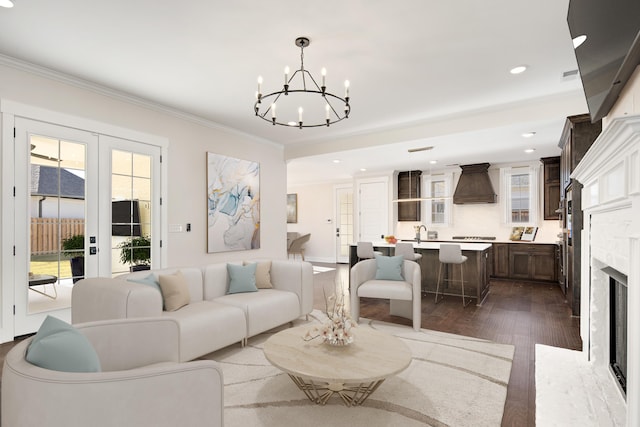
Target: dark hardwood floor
point(519, 313)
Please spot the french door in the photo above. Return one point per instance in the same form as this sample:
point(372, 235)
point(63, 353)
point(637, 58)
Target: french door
point(80, 200)
point(344, 222)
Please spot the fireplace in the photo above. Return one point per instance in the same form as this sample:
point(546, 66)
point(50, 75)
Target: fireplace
point(618, 327)
point(610, 295)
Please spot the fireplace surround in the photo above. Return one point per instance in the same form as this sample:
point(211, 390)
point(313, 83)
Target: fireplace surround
point(610, 173)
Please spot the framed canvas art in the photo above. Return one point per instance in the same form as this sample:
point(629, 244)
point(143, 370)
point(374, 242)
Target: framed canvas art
point(292, 208)
point(233, 204)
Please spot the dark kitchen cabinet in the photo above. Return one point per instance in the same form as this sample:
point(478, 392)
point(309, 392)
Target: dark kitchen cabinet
point(551, 166)
point(525, 261)
point(532, 262)
point(577, 136)
point(409, 188)
point(501, 260)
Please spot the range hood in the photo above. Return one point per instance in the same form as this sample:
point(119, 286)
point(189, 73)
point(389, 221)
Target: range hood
point(474, 185)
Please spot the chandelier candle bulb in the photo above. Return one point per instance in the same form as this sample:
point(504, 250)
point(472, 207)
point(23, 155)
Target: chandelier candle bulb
point(286, 75)
point(346, 88)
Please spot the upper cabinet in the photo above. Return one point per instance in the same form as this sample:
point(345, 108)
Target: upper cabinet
point(577, 136)
point(409, 188)
point(551, 186)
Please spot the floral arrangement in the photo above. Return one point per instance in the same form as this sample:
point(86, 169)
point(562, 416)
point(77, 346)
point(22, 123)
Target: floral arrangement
point(337, 329)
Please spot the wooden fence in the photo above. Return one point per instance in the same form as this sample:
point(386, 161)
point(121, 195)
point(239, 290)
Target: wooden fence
point(47, 234)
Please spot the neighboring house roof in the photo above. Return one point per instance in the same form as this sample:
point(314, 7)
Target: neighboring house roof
point(44, 182)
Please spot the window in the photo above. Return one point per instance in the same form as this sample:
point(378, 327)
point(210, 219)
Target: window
point(520, 195)
point(438, 209)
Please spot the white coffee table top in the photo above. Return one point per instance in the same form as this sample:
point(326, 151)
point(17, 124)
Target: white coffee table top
point(372, 356)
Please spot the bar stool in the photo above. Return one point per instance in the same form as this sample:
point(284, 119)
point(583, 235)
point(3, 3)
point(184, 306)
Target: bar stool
point(406, 249)
point(451, 254)
point(365, 251)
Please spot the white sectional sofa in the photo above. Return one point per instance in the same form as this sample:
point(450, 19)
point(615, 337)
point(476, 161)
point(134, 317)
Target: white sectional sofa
point(212, 319)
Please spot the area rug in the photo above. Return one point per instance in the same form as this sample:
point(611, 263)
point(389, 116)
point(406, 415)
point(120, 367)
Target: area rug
point(452, 381)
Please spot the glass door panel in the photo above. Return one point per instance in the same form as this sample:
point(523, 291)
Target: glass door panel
point(51, 210)
point(131, 216)
point(344, 223)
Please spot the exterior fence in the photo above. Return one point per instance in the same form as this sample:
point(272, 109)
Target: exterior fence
point(47, 234)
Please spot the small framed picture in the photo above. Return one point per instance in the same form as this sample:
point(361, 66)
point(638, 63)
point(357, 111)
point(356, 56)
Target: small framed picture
point(516, 233)
point(529, 234)
point(292, 208)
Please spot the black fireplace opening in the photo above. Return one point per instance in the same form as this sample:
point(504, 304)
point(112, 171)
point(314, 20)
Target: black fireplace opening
point(618, 328)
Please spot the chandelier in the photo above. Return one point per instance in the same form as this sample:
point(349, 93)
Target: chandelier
point(279, 110)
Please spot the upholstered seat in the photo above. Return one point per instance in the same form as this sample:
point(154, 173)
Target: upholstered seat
point(141, 382)
point(297, 246)
point(451, 254)
point(406, 250)
point(364, 250)
point(404, 295)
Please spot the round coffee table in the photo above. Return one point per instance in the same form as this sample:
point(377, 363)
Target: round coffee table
point(321, 370)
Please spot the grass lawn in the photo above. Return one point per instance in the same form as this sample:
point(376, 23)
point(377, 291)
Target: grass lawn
point(48, 264)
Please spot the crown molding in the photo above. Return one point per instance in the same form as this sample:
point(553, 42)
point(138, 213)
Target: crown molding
point(78, 82)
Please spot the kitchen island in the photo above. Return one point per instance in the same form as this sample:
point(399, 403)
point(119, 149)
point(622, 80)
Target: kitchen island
point(477, 268)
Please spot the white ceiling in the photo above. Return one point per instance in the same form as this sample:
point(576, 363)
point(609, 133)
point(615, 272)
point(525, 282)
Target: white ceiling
point(422, 72)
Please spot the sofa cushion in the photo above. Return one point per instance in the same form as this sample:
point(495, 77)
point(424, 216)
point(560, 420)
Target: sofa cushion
point(242, 278)
point(150, 280)
point(60, 347)
point(263, 274)
point(175, 290)
point(389, 267)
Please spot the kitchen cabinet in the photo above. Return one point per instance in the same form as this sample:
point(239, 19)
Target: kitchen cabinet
point(501, 260)
point(577, 136)
point(408, 188)
point(551, 166)
point(525, 261)
point(532, 262)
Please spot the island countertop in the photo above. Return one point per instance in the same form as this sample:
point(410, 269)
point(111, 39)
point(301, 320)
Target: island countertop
point(465, 246)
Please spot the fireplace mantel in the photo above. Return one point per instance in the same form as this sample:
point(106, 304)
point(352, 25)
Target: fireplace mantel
point(610, 173)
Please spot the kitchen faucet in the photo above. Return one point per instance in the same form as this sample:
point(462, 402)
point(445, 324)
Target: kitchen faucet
point(418, 228)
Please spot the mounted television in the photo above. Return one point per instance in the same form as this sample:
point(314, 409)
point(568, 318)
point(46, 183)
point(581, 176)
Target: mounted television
point(125, 218)
point(611, 51)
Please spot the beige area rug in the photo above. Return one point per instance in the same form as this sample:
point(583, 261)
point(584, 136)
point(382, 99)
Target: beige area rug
point(452, 381)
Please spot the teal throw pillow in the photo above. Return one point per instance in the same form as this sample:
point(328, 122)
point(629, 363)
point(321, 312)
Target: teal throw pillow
point(242, 278)
point(60, 347)
point(150, 280)
point(389, 267)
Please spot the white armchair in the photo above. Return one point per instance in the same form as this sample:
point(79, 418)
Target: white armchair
point(405, 296)
point(141, 382)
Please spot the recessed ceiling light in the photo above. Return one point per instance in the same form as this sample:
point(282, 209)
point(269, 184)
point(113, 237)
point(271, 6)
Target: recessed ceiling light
point(529, 150)
point(363, 169)
point(6, 3)
point(519, 69)
point(577, 41)
point(433, 162)
point(528, 134)
point(336, 161)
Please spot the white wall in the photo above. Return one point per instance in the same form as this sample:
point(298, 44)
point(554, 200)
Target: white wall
point(316, 205)
point(315, 208)
point(189, 141)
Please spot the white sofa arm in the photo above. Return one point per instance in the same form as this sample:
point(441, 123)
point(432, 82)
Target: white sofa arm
point(125, 393)
point(177, 394)
point(101, 298)
point(296, 277)
point(131, 343)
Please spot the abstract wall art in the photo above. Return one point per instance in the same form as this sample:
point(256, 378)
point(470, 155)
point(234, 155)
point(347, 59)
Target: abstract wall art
point(233, 204)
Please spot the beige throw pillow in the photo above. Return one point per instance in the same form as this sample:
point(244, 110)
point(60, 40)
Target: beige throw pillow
point(175, 290)
point(263, 274)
